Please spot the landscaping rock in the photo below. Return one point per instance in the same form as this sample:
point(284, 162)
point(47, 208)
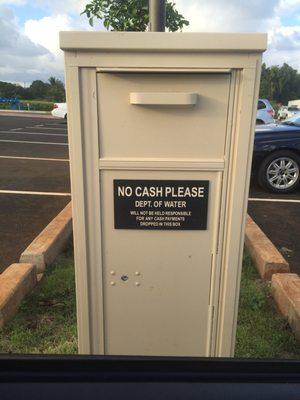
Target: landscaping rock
point(15, 282)
point(50, 242)
point(264, 254)
point(286, 292)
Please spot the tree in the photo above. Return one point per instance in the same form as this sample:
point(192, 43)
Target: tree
point(288, 83)
point(280, 84)
point(11, 90)
point(56, 90)
point(53, 90)
point(130, 15)
point(38, 90)
point(264, 82)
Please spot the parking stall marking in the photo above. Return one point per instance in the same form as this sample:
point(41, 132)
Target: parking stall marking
point(274, 200)
point(44, 143)
point(36, 133)
point(46, 127)
point(36, 158)
point(62, 125)
point(34, 193)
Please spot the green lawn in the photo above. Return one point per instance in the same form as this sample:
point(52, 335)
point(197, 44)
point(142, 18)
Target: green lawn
point(46, 321)
point(261, 332)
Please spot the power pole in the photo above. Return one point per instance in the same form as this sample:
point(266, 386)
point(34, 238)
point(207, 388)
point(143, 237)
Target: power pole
point(157, 15)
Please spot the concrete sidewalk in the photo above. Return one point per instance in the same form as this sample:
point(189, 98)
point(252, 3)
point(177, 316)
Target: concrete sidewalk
point(23, 113)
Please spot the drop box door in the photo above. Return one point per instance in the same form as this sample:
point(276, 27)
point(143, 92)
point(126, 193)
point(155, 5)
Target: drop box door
point(159, 224)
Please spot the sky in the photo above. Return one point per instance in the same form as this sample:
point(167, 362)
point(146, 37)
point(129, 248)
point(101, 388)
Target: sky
point(29, 46)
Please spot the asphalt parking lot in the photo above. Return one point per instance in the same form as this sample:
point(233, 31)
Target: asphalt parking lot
point(279, 217)
point(35, 186)
point(34, 179)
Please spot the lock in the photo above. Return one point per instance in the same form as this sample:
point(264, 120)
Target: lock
point(124, 278)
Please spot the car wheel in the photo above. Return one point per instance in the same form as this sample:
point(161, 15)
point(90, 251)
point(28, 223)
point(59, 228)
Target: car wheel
point(280, 172)
point(259, 122)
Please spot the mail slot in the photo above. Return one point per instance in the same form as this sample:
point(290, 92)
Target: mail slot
point(163, 114)
point(161, 131)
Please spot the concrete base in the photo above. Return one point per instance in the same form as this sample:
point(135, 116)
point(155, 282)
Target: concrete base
point(264, 254)
point(15, 282)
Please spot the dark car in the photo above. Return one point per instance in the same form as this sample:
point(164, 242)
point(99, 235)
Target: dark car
point(276, 156)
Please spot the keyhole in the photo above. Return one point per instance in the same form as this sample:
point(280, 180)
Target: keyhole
point(124, 278)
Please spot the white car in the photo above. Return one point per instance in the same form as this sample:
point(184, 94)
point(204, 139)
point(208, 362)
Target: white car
point(282, 113)
point(292, 111)
point(265, 112)
point(59, 110)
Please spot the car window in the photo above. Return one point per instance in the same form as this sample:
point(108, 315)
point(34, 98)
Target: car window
point(261, 105)
point(295, 121)
point(293, 108)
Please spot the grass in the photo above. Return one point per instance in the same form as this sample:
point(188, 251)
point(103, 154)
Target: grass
point(261, 331)
point(46, 321)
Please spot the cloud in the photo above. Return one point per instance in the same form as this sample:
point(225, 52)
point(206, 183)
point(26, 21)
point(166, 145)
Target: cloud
point(287, 38)
point(55, 6)
point(45, 31)
point(284, 46)
point(289, 5)
point(14, 2)
point(227, 16)
point(250, 16)
point(18, 53)
point(32, 51)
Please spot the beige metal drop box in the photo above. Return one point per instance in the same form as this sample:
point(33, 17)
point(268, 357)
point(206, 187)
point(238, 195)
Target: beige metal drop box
point(161, 132)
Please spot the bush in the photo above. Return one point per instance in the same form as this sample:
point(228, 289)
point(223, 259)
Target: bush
point(35, 105)
point(5, 106)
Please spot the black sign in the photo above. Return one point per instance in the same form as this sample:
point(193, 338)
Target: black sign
point(156, 204)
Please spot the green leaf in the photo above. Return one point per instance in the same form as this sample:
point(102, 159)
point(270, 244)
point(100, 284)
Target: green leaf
point(130, 15)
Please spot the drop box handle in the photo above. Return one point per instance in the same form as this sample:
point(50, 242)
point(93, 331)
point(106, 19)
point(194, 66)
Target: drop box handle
point(171, 98)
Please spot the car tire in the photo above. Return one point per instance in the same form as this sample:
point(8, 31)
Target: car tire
point(259, 122)
point(280, 172)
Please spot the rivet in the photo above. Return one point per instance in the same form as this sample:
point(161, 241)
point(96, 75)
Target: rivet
point(113, 272)
point(113, 283)
point(137, 273)
point(137, 284)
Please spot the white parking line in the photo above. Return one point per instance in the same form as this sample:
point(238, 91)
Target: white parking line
point(36, 133)
point(46, 143)
point(35, 193)
point(15, 129)
point(274, 200)
point(64, 126)
point(45, 127)
point(36, 158)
